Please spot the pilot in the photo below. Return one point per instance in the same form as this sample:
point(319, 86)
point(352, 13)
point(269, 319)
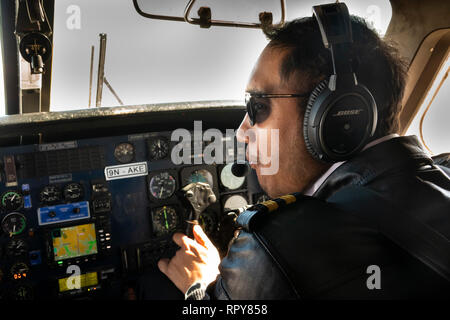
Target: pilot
point(303, 251)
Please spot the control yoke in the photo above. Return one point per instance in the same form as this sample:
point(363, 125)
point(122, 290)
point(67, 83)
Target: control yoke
point(200, 196)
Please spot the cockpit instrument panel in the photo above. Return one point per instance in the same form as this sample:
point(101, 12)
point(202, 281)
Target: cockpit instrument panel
point(104, 208)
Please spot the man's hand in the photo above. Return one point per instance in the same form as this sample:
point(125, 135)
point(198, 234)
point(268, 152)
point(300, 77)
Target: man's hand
point(196, 261)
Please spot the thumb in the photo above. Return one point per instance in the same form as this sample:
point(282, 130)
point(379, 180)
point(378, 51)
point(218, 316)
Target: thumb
point(201, 237)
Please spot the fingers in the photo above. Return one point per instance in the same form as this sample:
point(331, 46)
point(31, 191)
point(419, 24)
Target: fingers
point(185, 243)
point(194, 260)
point(198, 235)
point(201, 237)
point(182, 240)
point(178, 239)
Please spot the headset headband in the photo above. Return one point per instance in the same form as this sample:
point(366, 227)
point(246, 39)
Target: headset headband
point(341, 114)
point(336, 30)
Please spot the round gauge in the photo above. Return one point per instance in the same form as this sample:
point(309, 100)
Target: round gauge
point(207, 222)
point(19, 271)
point(22, 293)
point(73, 192)
point(11, 200)
point(162, 185)
point(14, 223)
point(16, 247)
point(158, 148)
point(124, 152)
point(234, 202)
point(165, 219)
point(50, 194)
point(229, 180)
point(201, 175)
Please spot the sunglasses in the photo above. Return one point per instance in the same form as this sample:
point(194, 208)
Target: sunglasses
point(258, 110)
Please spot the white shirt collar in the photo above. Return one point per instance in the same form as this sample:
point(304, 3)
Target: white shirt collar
point(316, 185)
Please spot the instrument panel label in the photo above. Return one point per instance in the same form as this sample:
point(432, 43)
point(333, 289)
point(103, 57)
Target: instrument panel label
point(63, 213)
point(125, 171)
point(58, 146)
point(59, 178)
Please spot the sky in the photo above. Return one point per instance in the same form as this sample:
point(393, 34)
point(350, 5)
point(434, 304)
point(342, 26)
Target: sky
point(435, 128)
point(2, 87)
point(151, 61)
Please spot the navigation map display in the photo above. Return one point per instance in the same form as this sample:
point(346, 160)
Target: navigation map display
point(74, 241)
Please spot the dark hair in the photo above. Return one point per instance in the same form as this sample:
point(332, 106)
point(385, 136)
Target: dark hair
point(376, 63)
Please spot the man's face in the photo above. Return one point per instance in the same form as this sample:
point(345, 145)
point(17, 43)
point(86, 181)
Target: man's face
point(296, 168)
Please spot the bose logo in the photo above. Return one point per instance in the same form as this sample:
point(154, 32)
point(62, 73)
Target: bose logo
point(342, 113)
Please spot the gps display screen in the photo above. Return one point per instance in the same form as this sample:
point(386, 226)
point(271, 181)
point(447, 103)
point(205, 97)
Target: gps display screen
point(85, 280)
point(74, 241)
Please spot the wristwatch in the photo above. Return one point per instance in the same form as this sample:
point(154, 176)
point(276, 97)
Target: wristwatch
point(195, 292)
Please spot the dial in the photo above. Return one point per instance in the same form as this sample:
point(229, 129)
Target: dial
point(50, 194)
point(19, 271)
point(158, 148)
point(234, 202)
point(201, 175)
point(124, 152)
point(73, 192)
point(12, 200)
point(22, 293)
point(14, 223)
point(229, 180)
point(100, 188)
point(16, 247)
point(165, 220)
point(208, 222)
point(162, 185)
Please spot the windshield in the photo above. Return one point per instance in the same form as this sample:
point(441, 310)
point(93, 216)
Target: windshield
point(2, 86)
point(152, 61)
point(431, 121)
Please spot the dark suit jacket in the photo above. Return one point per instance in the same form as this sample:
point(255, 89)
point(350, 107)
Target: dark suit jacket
point(325, 253)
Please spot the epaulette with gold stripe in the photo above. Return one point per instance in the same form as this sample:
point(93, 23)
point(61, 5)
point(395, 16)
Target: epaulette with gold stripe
point(246, 219)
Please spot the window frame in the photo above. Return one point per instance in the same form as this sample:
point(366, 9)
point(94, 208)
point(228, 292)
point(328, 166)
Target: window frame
point(424, 68)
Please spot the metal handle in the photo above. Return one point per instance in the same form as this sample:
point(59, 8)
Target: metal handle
point(232, 23)
point(197, 21)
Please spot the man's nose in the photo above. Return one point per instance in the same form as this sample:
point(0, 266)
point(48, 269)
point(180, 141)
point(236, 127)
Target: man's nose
point(243, 127)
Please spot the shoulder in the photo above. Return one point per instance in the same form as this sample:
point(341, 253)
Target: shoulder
point(310, 241)
point(286, 211)
point(252, 268)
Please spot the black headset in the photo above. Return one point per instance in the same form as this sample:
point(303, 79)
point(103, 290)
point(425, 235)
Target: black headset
point(341, 114)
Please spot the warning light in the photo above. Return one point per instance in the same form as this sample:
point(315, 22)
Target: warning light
point(19, 276)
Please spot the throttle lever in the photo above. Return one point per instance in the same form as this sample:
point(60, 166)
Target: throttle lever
point(200, 196)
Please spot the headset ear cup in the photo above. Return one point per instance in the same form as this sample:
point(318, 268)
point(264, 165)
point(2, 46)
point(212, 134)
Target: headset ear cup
point(312, 99)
